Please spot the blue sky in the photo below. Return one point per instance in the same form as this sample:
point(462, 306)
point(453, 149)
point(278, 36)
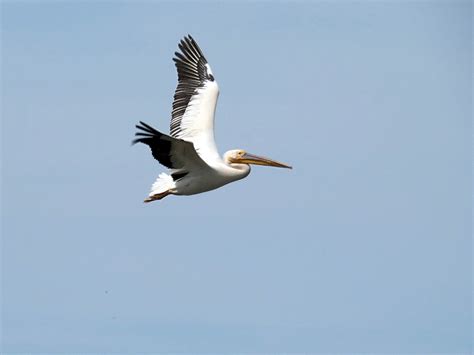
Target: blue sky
point(365, 246)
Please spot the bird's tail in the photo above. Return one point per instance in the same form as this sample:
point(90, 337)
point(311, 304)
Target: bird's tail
point(161, 187)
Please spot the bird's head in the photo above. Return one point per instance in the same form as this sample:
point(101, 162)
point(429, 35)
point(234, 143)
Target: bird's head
point(240, 156)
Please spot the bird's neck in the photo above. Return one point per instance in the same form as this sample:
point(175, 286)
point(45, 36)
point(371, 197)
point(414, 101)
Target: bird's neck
point(237, 171)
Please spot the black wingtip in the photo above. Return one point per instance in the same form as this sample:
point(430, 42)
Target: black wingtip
point(148, 132)
point(135, 141)
point(147, 128)
point(188, 43)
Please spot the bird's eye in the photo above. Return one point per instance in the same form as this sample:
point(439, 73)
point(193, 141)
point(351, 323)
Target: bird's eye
point(211, 77)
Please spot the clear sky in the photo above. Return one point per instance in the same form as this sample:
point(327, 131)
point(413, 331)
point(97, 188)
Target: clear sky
point(365, 246)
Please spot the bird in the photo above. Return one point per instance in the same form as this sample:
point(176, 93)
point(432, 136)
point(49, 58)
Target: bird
point(189, 151)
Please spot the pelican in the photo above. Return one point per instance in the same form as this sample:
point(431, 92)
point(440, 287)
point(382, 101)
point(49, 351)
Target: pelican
point(189, 151)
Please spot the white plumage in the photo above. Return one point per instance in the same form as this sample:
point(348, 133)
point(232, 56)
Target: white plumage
point(190, 150)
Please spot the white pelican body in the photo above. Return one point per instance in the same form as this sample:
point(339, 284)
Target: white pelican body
point(219, 175)
point(190, 150)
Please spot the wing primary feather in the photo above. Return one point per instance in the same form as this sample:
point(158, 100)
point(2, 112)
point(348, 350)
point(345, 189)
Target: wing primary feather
point(192, 69)
point(176, 154)
point(196, 47)
point(159, 143)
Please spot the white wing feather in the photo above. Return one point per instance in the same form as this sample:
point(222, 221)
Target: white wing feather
point(197, 123)
point(195, 101)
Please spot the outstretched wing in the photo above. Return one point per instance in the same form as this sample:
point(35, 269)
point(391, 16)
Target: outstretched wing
point(195, 100)
point(175, 154)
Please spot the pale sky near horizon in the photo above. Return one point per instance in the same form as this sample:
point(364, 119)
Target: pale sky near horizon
point(365, 246)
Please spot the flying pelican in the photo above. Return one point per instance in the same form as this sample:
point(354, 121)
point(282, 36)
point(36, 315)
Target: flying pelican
point(190, 151)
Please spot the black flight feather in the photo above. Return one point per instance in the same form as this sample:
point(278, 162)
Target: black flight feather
point(159, 143)
point(192, 74)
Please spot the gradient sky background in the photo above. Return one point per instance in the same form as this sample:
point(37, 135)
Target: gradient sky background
point(364, 247)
